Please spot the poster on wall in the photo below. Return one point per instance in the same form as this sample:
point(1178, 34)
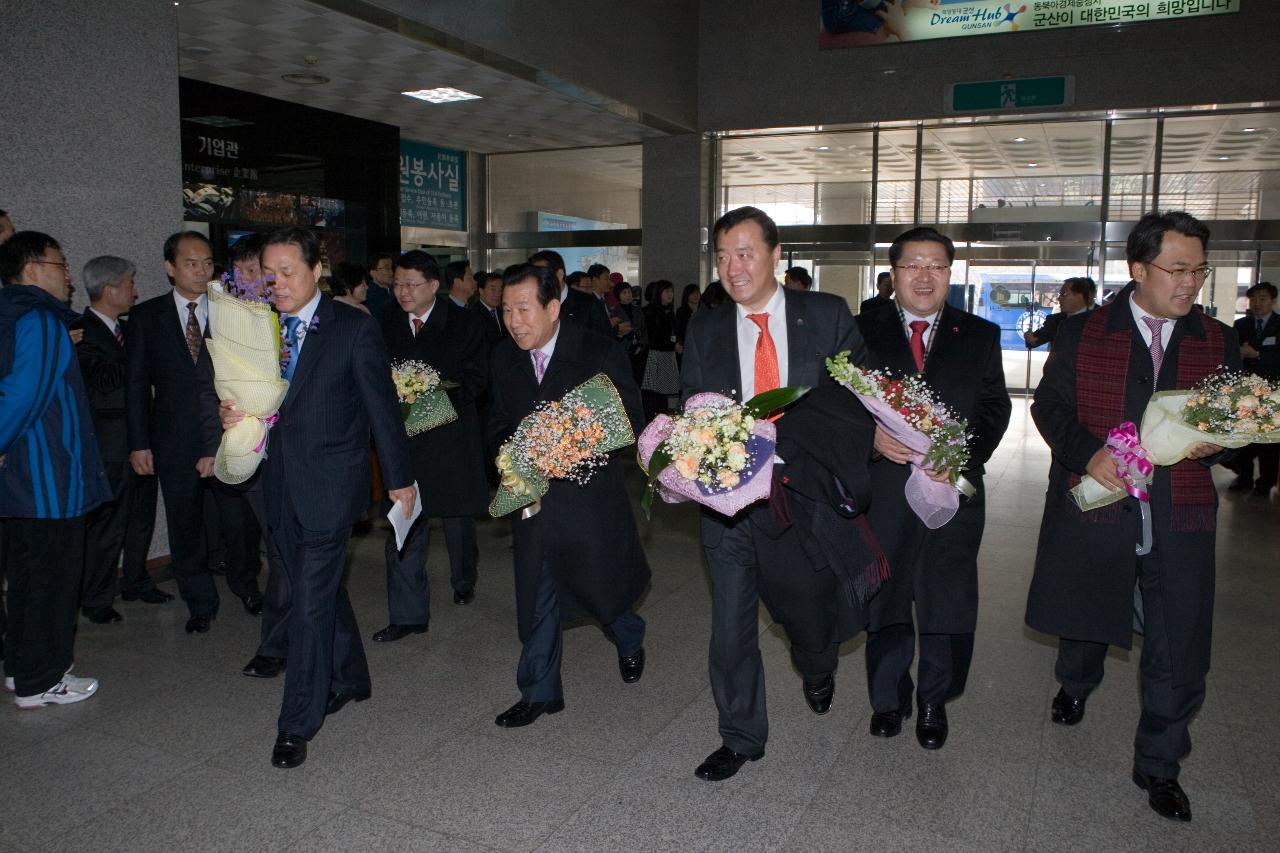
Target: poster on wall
point(858, 23)
point(575, 258)
point(433, 186)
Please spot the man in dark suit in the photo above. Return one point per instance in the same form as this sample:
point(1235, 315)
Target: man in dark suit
point(934, 570)
point(883, 297)
point(315, 481)
point(108, 282)
point(1104, 367)
point(1259, 334)
point(1076, 296)
point(770, 337)
point(173, 432)
point(421, 327)
point(576, 306)
point(580, 556)
point(488, 308)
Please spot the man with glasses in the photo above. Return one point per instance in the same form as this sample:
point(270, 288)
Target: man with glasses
point(51, 474)
point(1089, 588)
point(958, 354)
point(174, 434)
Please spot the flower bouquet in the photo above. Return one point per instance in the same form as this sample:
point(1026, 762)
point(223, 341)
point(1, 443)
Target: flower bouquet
point(1225, 408)
point(717, 452)
point(910, 412)
point(563, 440)
point(424, 399)
point(246, 350)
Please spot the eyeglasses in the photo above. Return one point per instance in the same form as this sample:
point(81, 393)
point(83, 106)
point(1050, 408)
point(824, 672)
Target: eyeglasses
point(409, 285)
point(65, 266)
point(928, 269)
point(1199, 274)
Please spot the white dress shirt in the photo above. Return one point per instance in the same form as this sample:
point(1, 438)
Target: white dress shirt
point(202, 309)
point(749, 334)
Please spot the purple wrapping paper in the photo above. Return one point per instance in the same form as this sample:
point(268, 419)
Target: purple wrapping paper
point(933, 502)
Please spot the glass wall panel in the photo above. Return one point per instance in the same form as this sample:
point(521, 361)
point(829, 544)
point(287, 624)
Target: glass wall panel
point(1221, 167)
point(1133, 159)
point(800, 179)
point(896, 182)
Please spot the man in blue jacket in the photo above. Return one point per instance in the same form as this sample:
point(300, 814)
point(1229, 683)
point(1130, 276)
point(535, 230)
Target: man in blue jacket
point(51, 475)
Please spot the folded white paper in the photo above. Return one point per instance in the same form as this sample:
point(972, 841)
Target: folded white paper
point(401, 524)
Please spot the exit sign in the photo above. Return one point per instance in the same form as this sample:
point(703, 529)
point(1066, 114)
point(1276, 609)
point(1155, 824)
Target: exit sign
point(996, 95)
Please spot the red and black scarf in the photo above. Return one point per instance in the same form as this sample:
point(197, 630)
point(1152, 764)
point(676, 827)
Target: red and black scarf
point(1102, 369)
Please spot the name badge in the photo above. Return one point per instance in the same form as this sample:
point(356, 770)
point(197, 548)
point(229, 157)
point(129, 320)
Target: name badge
point(1269, 342)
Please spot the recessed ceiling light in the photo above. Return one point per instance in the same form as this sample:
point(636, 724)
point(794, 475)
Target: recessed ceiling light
point(305, 78)
point(1019, 139)
point(1222, 158)
point(1032, 165)
point(1248, 130)
point(441, 95)
point(824, 147)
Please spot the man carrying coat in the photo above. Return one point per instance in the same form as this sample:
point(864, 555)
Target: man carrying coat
point(580, 555)
point(1104, 367)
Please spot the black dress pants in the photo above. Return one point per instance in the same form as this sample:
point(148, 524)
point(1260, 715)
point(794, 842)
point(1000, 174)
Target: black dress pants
point(138, 529)
point(183, 491)
point(43, 563)
point(105, 537)
point(274, 632)
point(1163, 736)
point(943, 669)
point(408, 591)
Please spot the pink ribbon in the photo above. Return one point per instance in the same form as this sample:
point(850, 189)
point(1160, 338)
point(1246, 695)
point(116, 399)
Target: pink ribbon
point(1130, 457)
point(269, 422)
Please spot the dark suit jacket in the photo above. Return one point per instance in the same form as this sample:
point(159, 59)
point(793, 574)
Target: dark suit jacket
point(1267, 365)
point(875, 303)
point(448, 461)
point(167, 413)
point(102, 365)
point(586, 534)
point(937, 569)
point(587, 311)
point(819, 326)
point(317, 463)
point(1084, 571)
point(492, 332)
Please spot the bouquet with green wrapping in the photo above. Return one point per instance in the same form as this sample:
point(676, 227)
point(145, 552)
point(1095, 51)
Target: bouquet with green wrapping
point(424, 398)
point(567, 439)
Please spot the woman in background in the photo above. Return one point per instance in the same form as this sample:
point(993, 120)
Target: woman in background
point(347, 283)
point(661, 370)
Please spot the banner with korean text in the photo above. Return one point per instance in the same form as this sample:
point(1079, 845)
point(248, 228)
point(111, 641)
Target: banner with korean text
point(433, 186)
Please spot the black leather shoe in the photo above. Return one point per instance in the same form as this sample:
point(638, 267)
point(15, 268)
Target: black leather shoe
point(722, 764)
point(289, 751)
point(465, 596)
point(102, 615)
point(263, 666)
point(253, 604)
point(199, 624)
point(631, 667)
point(1067, 710)
point(151, 596)
point(1261, 491)
point(523, 713)
point(931, 727)
point(1240, 484)
point(819, 695)
point(1166, 796)
point(391, 633)
point(219, 568)
point(889, 723)
point(337, 700)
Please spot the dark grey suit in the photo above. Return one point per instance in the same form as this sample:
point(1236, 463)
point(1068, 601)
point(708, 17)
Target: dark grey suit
point(750, 560)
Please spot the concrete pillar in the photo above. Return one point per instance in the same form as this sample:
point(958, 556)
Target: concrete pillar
point(674, 209)
point(89, 129)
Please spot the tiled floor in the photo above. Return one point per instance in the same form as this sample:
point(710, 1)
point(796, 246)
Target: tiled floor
point(172, 755)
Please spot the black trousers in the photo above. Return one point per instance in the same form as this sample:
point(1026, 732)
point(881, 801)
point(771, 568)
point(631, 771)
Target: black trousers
point(1268, 456)
point(107, 533)
point(325, 652)
point(43, 563)
point(943, 669)
point(1163, 736)
point(408, 591)
point(274, 632)
point(748, 567)
point(183, 491)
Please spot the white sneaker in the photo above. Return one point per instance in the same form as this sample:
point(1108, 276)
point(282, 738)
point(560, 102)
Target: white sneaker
point(67, 691)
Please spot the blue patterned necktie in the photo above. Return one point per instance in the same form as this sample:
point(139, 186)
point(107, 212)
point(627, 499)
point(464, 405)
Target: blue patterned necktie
point(291, 325)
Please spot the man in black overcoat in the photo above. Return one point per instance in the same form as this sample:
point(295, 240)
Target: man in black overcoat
point(173, 432)
point(576, 306)
point(767, 337)
point(1104, 367)
point(934, 570)
point(448, 461)
point(580, 555)
point(1259, 334)
point(108, 282)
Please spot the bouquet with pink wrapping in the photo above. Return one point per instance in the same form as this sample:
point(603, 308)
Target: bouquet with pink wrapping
point(717, 452)
point(907, 409)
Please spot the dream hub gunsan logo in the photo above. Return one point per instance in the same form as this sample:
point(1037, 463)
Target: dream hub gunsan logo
point(973, 17)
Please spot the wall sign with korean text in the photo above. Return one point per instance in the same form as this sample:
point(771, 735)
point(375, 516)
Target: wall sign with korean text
point(433, 186)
